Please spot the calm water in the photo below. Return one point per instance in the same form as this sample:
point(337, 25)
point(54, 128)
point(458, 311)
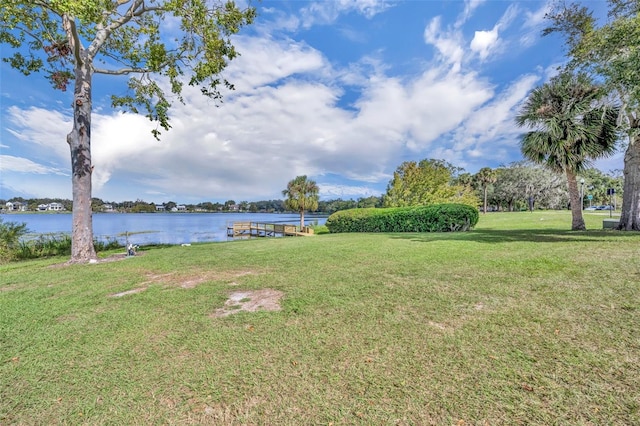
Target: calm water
point(154, 228)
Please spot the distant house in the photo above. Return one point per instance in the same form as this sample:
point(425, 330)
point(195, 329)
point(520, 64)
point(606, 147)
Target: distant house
point(160, 208)
point(16, 206)
point(181, 208)
point(43, 207)
point(107, 208)
point(56, 207)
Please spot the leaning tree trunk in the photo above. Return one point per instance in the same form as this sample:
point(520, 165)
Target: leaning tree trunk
point(630, 217)
point(82, 249)
point(577, 222)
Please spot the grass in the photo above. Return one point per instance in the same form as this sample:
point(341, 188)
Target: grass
point(517, 322)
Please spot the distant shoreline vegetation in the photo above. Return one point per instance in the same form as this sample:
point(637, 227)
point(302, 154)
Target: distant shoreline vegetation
point(68, 212)
point(50, 205)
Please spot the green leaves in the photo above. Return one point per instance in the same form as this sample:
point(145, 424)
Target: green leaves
point(302, 194)
point(423, 183)
point(611, 50)
point(127, 37)
point(433, 218)
point(570, 126)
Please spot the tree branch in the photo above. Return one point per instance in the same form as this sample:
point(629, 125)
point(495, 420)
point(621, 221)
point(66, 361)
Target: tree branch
point(136, 9)
point(121, 71)
point(69, 26)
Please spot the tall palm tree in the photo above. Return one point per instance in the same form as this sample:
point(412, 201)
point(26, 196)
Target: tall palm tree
point(571, 126)
point(302, 194)
point(485, 177)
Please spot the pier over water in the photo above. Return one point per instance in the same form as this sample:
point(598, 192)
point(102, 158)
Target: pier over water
point(263, 229)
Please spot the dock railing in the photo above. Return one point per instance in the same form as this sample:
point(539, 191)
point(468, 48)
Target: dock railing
point(264, 229)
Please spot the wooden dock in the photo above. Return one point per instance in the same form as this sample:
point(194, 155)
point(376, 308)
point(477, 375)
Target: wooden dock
point(262, 229)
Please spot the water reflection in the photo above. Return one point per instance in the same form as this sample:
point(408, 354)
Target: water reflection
point(154, 228)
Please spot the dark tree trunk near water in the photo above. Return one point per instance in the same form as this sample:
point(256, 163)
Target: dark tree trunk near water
point(79, 139)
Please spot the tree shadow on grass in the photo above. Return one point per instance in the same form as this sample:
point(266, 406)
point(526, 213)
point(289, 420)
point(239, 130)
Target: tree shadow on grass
point(519, 235)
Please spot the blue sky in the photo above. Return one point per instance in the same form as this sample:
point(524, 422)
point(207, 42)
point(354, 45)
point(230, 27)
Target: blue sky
point(342, 91)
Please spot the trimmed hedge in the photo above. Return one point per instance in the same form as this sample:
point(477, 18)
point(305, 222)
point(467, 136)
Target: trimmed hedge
point(432, 218)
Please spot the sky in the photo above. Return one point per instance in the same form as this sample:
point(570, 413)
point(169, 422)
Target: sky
point(342, 91)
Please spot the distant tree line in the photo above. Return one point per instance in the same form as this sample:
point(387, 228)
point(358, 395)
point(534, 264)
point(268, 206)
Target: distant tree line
point(140, 206)
point(523, 186)
point(517, 186)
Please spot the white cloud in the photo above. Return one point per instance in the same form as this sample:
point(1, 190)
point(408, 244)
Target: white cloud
point(267, 61)
point(327, 12)
point(537, 18)
point(469, 7)
point(274, 127)
point(488, 42)
point(509, 16)
point(45, 128)
point(119, 142)
point(534, 22)
point(449, 44)
point(286, 118)
point(331, 191)
point(484, 41)
point(490, 132)
point(9, 163)
point(23, 177)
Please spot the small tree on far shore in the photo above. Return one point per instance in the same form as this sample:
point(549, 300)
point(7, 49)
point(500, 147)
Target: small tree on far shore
point(302, 194)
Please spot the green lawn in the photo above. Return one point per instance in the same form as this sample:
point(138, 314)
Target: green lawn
point(517, 322)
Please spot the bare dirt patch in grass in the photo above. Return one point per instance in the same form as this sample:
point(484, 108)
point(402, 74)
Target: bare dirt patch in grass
point(9, 287)
point(191, 279)
point(250, 301)
point(186, 280)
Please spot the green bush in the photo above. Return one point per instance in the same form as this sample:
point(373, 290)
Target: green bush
point(13, 245)
point(432, 218)
point(10, 234)
point(49, 245)
point(45, 245)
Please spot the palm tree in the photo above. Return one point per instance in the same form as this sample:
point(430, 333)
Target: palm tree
point(571, 126)
point(302, 194)
point(485, 177)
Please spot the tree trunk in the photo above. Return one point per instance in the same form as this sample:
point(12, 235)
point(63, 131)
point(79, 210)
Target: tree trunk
point(577, 222)
point(484, 206)
point(630, 217)
point(82, 249)
point(301, 219)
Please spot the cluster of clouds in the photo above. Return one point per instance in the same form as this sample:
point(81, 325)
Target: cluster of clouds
point(289, 116)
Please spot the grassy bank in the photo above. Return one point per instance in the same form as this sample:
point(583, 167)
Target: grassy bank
point(516, 322)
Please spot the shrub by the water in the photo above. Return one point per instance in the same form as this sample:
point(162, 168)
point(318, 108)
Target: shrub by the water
point(48, 245)
point(14, 245)
point(432, 218)
point(10, 234)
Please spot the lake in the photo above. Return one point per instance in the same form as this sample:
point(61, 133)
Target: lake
point(154, 228)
